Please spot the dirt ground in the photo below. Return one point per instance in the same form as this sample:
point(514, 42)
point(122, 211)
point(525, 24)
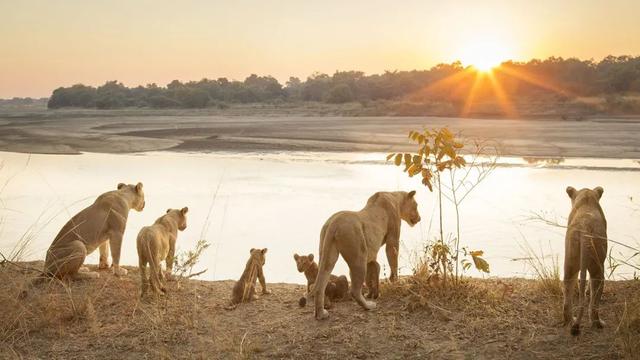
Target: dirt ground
point(487, 319)
point(128, 131)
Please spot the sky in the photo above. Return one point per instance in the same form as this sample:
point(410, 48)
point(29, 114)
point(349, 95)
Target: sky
point(51, 43)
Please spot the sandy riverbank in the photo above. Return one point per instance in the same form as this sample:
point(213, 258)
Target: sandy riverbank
point(128, 131)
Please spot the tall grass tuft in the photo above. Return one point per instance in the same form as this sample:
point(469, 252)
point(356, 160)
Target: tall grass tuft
point(545, 267)
point(628, 330)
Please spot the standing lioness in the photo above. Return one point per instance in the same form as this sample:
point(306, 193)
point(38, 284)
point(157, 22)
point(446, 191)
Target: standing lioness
point(156, 243)
point(585, 250)
point(102, 224)
point(357, 236)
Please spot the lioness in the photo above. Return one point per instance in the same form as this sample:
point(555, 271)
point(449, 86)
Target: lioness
point(101, 225)
point(156, 243)
point(245, 289)
point(357, 236)
point(337, 287)
point(585, 250)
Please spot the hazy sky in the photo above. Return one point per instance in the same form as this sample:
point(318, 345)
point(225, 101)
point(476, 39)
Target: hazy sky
point(51, 43)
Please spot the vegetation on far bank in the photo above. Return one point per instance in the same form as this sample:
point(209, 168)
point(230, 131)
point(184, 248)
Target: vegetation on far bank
point(444, 89)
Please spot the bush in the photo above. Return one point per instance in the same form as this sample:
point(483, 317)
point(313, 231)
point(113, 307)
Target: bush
point(77, 95)
point(340, 94)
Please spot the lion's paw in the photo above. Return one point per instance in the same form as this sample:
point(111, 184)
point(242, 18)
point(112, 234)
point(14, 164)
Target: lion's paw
point(118, 271)
point(369, 305)
point(597, 324)
point(322, 315)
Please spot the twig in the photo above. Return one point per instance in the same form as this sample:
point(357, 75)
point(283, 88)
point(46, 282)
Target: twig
point(195, 274)
point(242, 341)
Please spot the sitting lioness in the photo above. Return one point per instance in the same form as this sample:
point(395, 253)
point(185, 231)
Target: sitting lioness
point(245, 289)
point(157, 243)
point(357, 236)
point(585, 251)
point(337, 287)
point(102, 224)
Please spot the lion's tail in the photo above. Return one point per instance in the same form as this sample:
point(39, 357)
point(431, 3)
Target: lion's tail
point(326, 244)
point(148, 253)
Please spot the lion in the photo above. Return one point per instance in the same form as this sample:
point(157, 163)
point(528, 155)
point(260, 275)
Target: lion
point(585, 251)
point(102, 225)
point(357, 236)
point(156, 243)
point(244, 289)
point(336, 290)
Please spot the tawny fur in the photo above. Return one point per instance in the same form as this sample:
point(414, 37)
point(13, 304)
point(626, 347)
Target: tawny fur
point(336, 290)
point(157, 243)
point(357, 236)
point(585, 251)
point(102, 225)
point(244, 289)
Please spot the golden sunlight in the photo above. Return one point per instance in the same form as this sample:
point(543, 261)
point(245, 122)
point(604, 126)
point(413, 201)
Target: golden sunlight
point(484, 54)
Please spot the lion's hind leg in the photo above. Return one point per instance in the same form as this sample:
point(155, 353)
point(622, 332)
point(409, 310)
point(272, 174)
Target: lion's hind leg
point(582, 285)
point(67, 261)
point(144, 278)
point(373, 280)
point(358, 269)
point(596, 284)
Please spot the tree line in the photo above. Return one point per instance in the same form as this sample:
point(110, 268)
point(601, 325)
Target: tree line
point(555, 76)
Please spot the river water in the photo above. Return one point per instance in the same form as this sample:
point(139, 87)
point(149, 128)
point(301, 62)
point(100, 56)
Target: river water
point(281, 200)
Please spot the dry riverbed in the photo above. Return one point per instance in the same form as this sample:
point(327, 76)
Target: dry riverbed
point(507, 319)
point(129, 131)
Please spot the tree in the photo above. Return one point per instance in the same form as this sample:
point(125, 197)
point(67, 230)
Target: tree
point(437, 161)
point(339, 94)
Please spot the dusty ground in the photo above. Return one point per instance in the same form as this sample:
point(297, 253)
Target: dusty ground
point(125, 131)
point(487, 319)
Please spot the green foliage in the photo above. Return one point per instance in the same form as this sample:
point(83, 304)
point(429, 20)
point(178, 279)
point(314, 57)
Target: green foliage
point(186, 260)
point(75, 96)
point(340, 94)
point(439, 152)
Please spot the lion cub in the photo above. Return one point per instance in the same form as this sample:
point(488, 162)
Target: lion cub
point(156, 243)
point(585, 251)
point(337, 287)
point(245, 289)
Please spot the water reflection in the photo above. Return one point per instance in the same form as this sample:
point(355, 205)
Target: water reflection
point(544, 161)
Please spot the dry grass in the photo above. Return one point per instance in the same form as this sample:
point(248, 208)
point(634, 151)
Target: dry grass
point(416, 317)
point(628, 330)
point(546, 268)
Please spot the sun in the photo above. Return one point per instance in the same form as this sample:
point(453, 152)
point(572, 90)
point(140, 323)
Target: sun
point(484, 54)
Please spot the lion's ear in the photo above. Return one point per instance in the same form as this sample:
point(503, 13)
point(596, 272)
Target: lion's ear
point(263, 251)
point(121, 185)
point(184, 210)
point(571, 191)
point(251, 251)
point(296, 256)
point(599, 190)
point(168, 210)
point(310, 257)
point(412, 193)
point(139, 187)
